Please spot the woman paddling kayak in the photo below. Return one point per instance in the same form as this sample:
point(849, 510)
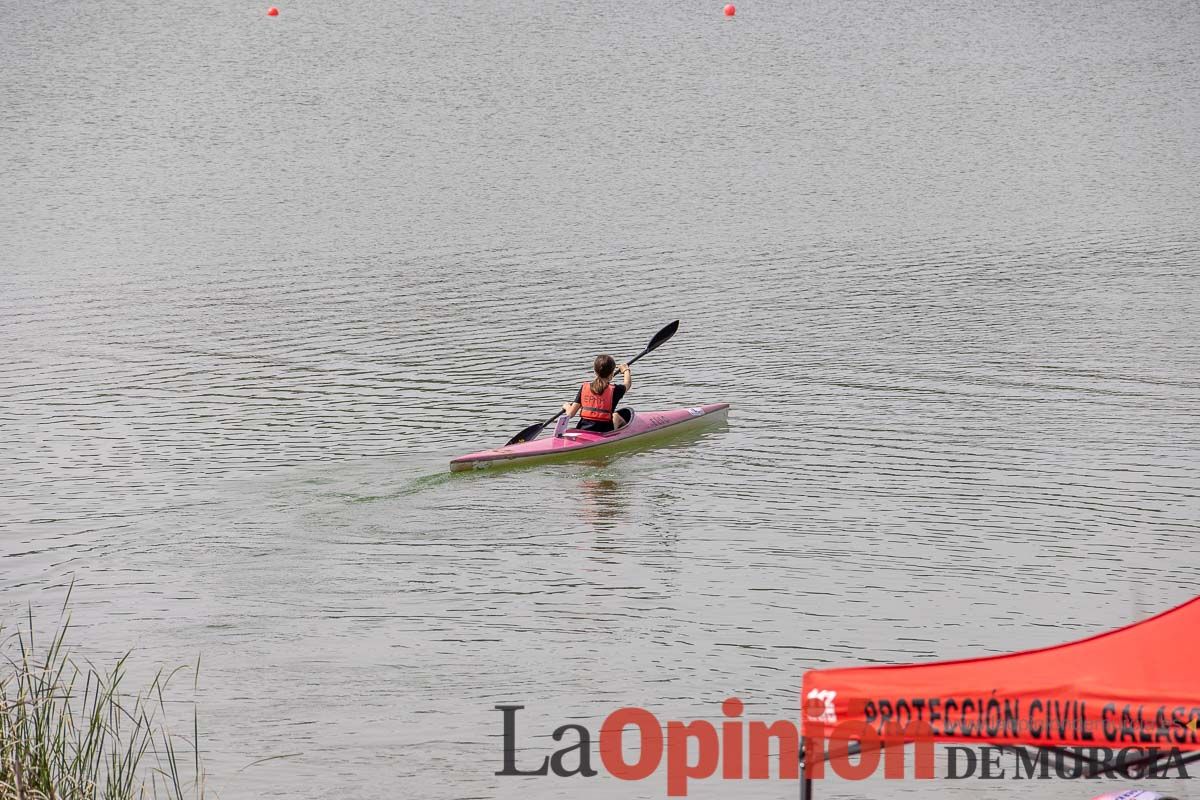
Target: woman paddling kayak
point(596, 402)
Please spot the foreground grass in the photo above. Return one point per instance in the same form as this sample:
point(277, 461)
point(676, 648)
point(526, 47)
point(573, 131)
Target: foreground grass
point(69, 732)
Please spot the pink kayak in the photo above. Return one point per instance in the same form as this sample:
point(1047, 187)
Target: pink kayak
point(644, 425)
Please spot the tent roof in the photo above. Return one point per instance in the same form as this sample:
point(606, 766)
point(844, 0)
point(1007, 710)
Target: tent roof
point(1137, 686)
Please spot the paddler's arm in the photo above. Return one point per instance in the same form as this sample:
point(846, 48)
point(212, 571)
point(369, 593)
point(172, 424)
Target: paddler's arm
point(627, 377)
point(572, 408)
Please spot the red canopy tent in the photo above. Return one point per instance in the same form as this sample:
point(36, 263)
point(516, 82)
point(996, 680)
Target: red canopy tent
point(1135, 687)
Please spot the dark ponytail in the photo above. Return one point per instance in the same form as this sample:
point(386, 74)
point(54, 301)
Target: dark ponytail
point(604, 366)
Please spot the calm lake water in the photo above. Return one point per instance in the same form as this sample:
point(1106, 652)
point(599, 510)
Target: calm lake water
point(261, 278)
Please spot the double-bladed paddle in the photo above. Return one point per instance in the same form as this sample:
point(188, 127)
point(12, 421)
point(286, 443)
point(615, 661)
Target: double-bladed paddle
point(659, 338)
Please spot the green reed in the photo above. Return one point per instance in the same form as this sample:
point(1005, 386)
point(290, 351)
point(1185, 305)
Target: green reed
point(69, 732)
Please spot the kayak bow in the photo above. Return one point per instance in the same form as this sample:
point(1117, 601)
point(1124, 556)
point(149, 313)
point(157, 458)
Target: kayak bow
point(643, 425)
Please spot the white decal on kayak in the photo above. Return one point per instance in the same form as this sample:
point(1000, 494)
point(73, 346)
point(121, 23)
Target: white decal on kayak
point(696, 412)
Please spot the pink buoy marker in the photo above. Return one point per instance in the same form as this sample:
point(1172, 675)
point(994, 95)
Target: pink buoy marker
point(730, 10)
point(272, 12)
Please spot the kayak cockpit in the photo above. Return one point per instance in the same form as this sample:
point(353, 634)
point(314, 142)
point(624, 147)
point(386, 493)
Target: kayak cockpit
point(574, 433)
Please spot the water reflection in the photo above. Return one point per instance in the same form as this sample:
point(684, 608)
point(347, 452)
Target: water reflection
point(602, 501)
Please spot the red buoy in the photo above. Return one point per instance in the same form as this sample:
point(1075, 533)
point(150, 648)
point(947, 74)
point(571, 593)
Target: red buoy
point(272, 12)
point(730, 10)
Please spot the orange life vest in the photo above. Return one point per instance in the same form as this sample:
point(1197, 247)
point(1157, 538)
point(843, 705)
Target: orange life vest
point(596, 407)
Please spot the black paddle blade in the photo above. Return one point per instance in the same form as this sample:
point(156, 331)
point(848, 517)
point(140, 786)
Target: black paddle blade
point(662, 336)
point(659, 338)
point(529, 434)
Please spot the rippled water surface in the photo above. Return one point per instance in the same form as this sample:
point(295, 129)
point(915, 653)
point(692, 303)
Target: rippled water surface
point(260, 279)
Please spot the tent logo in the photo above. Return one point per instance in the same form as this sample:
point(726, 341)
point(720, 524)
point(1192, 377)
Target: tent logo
point(820, 706)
